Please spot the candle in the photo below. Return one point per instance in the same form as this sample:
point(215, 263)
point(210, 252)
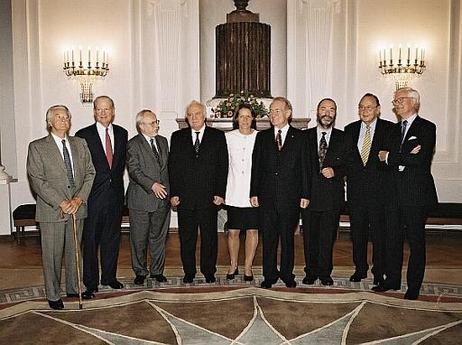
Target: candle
point(399, 57)
point(408, 54)
point(80, 56)
point(416, 54)
point(89, 56)
point(391, 54)
point(72, 52)
point(64, 58)
point(380, 57)
point(422, 56)
point(104, 57)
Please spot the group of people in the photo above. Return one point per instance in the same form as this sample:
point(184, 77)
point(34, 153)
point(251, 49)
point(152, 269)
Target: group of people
point(265, 180)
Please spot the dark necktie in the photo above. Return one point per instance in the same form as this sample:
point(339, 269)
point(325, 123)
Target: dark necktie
point(67, 163)
point(403, 133)
point(279, 140)
point(197, 143)
point(109, 154)
point(154, 150)
point(322, 149)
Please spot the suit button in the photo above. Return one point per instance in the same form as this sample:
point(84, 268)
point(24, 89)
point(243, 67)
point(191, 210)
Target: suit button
point(276, 173)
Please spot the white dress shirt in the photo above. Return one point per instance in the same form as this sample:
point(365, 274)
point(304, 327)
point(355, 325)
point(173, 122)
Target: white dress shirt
point(201, 134)
point(319, 131)
point(148, 139)
point(59, 143)
point(240, 148)
point(102, 135)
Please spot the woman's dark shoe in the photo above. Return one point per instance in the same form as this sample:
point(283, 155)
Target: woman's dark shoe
point(232, 275)
point(248, 278)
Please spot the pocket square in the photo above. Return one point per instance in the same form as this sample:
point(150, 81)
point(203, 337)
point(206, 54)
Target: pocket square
point(412, 138)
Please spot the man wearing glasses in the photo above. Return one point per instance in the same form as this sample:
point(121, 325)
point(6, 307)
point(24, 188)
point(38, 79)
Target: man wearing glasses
point(412, 191)
point(149, 209)
point(365, 193)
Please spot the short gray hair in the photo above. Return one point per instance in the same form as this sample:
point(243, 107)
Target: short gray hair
point(194, 102)
point(49, 114)
point(413, 93)
point(140, 117)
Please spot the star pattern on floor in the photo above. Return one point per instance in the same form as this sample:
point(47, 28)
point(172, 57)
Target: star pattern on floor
point(258, 330)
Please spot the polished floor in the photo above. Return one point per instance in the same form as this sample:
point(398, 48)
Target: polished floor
point(20, 265)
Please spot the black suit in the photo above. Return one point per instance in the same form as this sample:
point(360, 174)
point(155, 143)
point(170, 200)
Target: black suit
point(279, 180)
point(321, 218)
point(412, 193)
point(105, 206)
point(196, 179)
point(365, 195)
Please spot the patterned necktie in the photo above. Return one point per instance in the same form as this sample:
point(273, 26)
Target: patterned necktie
point(365, 150)
point(279, 140)
point(197, 143)
point(109, 154)
point(322, 149)
point(67, 163)
point(154, 150)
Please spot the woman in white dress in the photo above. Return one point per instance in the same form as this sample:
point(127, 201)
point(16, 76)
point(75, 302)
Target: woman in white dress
point(241, 214)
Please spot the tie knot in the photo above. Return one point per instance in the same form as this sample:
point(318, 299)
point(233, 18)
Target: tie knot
point(63, 141)
point(323, 134)
point(279, 131)
point(405, 123)
point(368, 127)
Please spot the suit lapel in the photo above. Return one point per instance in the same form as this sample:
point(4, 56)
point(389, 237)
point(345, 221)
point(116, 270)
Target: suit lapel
point(55, 154)
point(75, 161)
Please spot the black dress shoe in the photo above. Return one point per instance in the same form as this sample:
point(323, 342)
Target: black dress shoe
point(378, 280)
point(291, 283)
point(56, 305)
point(411, 295)
point(232, 275)
point(210, 279)
point(159, 277)
point(72, 295)
point(115, 284)
point(358, 276)
point(309, 280)
point(248, 278)
point(188, 278)
point(139, 280)
point(326, 281)
point(385, 286)
point(89, 293)
point(266, 284)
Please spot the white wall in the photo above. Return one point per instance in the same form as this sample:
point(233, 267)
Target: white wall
point(162, 54)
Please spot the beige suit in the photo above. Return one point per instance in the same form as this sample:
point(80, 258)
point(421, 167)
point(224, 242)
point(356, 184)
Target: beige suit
point(48, 179)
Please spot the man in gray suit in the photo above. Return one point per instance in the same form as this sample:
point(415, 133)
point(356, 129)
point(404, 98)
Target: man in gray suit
point(61, 173)
point(149, 211)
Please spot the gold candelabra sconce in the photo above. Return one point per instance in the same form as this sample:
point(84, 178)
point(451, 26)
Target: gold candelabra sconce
point(402, 64)
point(86, 72)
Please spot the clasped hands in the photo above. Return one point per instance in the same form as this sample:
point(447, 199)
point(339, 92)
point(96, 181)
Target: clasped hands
point(70, 206)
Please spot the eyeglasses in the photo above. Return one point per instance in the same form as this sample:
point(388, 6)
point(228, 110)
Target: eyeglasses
point(152, 123)
point(399, 100)
point(275, 111)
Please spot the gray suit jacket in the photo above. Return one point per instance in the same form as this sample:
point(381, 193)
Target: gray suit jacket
point(144, 170)
point(48, 177)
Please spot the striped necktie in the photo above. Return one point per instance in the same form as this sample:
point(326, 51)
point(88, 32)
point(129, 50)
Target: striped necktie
point(366, 149)
point(67, 163)
point(197, 143)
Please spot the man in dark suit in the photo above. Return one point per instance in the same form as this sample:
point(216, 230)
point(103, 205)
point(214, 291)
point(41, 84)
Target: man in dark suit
point(198, 169)
point(107, 143)
point(61, 173)
point(365, 187)
point(412, 191)
point(329, 152)
point(279, 187)
point(147, 156)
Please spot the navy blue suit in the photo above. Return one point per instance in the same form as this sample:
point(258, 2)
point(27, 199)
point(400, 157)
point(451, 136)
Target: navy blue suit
point(105, 206)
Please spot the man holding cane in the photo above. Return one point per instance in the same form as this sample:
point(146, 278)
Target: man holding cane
point(61, 174)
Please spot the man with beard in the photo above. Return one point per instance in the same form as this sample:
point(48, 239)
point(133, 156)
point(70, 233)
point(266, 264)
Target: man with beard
point(365, 192)
point(279, 187)
point(328, 151)
point(412, 191)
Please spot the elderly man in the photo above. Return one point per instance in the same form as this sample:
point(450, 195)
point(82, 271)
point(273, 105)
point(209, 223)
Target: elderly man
point(279, 187)
point(198, 169)
point(412, 191)
point(107, 143)
point(365, 192)
point(329, 151)
point(61, 173)
point(147, 156)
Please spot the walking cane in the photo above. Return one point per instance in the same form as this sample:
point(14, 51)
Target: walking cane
point(77, 259)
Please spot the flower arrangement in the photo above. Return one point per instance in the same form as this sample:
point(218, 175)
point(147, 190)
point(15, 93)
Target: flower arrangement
point(227, 107)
